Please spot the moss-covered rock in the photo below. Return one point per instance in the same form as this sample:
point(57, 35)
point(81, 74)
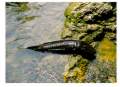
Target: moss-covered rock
point(94, 23)
point(76, 69)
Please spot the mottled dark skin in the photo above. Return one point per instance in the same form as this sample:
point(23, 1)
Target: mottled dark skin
point(67, 47)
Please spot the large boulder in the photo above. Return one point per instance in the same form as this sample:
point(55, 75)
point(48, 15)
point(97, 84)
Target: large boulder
point(94, 23)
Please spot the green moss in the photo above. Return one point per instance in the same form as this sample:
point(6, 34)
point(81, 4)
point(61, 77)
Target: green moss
point(66, 33)
point(26, 18)
point(70, 8)
point(106, 51)
point(91, 37)
point(19, 6)
point(23, 7)
point(76, 74)
point(67, 22)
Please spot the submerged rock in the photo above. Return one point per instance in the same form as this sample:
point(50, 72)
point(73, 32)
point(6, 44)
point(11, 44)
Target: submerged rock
point(94, 23)
point(41, 23)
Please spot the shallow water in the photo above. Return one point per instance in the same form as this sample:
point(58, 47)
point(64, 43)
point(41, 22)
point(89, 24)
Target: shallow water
point(23, 65)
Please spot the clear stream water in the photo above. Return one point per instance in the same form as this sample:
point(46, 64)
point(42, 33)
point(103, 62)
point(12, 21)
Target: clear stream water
point(24, 65)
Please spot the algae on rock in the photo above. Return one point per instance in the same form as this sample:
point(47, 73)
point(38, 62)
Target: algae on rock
point(94, 23)
point(21, 9)
point(19, 6)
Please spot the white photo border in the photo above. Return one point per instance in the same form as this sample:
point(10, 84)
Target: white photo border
point(3, 50)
